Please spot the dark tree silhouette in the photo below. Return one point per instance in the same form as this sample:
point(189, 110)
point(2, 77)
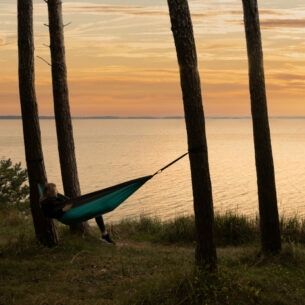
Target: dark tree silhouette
point(195, 124)
point(44, 228)
point(269, 218)
point(63, 119)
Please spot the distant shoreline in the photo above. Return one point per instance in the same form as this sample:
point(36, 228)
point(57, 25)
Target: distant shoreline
point(18, 117)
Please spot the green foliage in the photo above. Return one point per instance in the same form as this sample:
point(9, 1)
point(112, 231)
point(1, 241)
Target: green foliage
point(13, 189)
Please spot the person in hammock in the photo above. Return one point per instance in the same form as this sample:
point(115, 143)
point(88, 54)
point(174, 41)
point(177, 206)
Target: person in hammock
point(54, 206)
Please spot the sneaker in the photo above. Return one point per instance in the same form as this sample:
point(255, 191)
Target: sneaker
point(107, 239)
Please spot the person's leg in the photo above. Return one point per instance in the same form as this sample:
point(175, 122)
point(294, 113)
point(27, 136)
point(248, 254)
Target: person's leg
point(105, 235)
point(100, 222)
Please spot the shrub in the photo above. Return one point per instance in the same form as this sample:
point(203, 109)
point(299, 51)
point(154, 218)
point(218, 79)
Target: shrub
point(13, 187)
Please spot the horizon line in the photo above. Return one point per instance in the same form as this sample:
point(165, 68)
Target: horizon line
point(114, 117)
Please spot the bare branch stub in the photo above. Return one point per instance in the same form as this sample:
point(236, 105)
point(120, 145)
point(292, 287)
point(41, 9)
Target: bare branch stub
point(44, 60)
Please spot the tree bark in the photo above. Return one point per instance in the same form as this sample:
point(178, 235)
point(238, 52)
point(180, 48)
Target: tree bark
point(44, 228)
point(63, 119)
point(195, 124)
point(268, 210)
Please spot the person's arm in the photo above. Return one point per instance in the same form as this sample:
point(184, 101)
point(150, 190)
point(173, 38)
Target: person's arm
point(53, 207)
point(67, 207)
point(62, 197)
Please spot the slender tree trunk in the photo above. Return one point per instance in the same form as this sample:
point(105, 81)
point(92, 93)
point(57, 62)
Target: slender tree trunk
point(269, 218)
point(195, 124)
point(44, 228)
point(63, 119)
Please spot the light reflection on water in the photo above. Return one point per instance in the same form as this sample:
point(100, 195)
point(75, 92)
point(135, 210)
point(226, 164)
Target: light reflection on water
point(112, 151)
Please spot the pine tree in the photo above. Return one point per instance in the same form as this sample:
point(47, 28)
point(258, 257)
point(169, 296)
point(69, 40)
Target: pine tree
point(268, 211)
point(44, 228)
point(195, 125)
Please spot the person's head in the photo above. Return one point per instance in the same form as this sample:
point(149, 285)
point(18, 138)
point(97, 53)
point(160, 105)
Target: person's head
point(50, 190)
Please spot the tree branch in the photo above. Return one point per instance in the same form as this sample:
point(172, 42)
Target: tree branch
point(44, 61)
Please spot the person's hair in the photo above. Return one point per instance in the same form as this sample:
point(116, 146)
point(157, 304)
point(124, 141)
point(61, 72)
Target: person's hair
point(49, 191)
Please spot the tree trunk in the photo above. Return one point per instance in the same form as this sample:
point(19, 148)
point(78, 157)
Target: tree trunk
point(269, 218)
point(44, 228)
point(195, 124)
point(63, 119)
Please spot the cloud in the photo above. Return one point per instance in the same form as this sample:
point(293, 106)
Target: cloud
point(115, 9)
point(130, 48)
point(289, 77)
point(8, 40)
point(283, 23)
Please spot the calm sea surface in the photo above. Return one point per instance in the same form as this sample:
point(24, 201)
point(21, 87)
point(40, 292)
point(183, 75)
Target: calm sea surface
point(112, 151)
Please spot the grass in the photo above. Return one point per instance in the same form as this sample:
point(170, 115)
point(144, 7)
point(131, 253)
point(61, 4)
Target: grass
point(152, 263)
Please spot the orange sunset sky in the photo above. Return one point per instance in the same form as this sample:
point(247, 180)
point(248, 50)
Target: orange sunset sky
point(121, 58)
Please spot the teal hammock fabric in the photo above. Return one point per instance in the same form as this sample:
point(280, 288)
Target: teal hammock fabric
point(100, 202)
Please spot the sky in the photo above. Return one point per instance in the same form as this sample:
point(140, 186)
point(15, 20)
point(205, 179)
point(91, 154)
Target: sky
point(121, 58)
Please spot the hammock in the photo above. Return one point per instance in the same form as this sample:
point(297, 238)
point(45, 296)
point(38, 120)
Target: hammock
point(100, 202)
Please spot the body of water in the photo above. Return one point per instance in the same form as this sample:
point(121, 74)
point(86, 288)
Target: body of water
point(111, 151)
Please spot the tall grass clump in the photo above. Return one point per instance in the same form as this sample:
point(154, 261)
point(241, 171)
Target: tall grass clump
point(143, 228)
point(292, 229)
point(234, 230)
point(15, 221)
point(178, 230)
point(229, 229)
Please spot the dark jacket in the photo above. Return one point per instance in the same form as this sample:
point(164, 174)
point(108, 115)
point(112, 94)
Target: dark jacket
point(52, 207)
